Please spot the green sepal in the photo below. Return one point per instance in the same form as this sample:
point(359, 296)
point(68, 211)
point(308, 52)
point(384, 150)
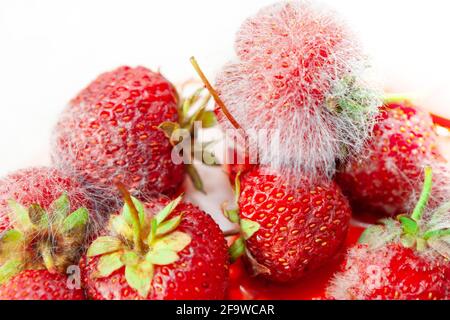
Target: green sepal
point(162, 257)
point(9, 269)
point(441, 246)
point(109, 263)
point(38, 216)
point(208, 119)
point(439, 218)
point(189, 102)
point(168, 226)
point(436, 234)
point(60, 208)
point(152, 233)
point(249, 228)
point(104, 245)
point(130, 258)
point(19, 217)
point(10, 244)
point(12, 236)
point(408, 240)
point(237, 249)
point(175, 241)
point(195, 178)
point(77, 219)
point(139, 277)
point(237, 187)
point(164, 213)
point(121, 227)
point(169, 128)
point(140, 209)
point(47, 257)
point(409, 226)
point(232, 215)
point(378, 235)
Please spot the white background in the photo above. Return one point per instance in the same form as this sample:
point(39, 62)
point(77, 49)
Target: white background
point(49, 50)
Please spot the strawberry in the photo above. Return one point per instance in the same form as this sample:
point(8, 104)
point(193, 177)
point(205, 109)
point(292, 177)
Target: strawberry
point(39, 285)
point(110, 131)
point(298, 77)
point(175, 253)
point(288, 232)
point(38, 248)
point(40, 185)
point(403, 259)
point(390, 169)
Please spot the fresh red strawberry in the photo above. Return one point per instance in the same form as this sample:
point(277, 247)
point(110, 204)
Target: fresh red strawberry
point(39, 285)
point(38, 247)
point(41, 186)
point(389, 171)
point(406, 259)
point(288, 231)
point(176, 253)
point(110, 131)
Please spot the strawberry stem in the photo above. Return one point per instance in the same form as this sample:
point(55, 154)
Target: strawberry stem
point(425, 195)
point(137, 239)
point(214, 94)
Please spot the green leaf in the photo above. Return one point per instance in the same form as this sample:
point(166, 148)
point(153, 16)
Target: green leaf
point(19, 216)
point(409, 225)
point(60, 208)
point(249, 228)
point(141, 212)
point(109, 263)
point(162, 257)
point(11, 242)
point(164, 213)
point(140, 277)
point(103, 245)
point(75, 220)
point(175, 241)
point(169, 226)
point(195, 177)
point(208, 119)
point(121, 227)
point(130, 258)
point(9, 269)
point(237, 249)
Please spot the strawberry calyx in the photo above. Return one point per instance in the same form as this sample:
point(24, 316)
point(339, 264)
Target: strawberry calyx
point(138, 243)
point(191, 110)
point(413, 231)
point(247, 227)
point(42, 239)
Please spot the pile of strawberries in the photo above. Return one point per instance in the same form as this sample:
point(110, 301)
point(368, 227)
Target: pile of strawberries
point(107, 221)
